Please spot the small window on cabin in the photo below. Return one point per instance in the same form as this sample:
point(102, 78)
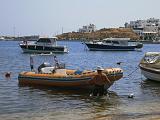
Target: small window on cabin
point(54, 39)
point(108, 41)
point(115, 42)
point(44, 40)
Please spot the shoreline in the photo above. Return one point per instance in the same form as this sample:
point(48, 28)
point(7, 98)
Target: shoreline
point(82, 40)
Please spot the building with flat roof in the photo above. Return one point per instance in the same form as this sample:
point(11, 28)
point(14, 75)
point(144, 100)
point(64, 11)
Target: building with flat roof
point(148, 29)
point(87, 29)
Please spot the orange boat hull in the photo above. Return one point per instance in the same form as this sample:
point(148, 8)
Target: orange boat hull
point(71, 80)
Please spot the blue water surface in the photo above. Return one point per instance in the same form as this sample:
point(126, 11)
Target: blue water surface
point(17, 102)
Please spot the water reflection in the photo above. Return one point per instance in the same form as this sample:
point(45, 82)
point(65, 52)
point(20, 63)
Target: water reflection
point(95, 107)
point(150, 87)
point(68, 92)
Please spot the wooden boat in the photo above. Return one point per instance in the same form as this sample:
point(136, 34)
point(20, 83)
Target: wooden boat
point(66, 77)
point(150, 66)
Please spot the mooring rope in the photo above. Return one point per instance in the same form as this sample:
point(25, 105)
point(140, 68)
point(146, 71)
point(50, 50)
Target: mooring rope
point(131, 73)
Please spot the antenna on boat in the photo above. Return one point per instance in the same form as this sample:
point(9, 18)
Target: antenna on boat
point(31, 63)
point(56, 61)
point(58, 64)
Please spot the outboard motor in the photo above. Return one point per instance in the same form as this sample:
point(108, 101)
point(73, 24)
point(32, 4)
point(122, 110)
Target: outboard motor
point(45, 64)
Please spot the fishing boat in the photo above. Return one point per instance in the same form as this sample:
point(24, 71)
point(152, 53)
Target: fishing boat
point(43, 45)
point(150, 66)
point(59, 76)
point(113, 44)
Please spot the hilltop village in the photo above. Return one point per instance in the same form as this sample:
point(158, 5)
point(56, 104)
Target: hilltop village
point(135, 30)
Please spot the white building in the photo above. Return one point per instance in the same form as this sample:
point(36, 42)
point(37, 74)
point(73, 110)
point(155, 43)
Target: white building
point(149, 27)
point(87, 28)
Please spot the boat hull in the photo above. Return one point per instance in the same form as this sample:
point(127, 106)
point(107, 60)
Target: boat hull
point(150, 73)
point(71, 81)
point(102, 47)
point(43, 49)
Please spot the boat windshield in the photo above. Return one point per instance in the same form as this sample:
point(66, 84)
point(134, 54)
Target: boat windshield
point(116, 42)
point(44, 40)
point(123, 42)
point(107, 41)
point(151, 57)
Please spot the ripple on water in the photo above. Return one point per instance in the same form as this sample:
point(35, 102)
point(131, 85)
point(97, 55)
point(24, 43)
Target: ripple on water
point(17, 102)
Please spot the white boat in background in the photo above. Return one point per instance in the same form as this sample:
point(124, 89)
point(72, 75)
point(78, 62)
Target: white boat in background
point(150, 66)
point(2, 38)
point(43, 45)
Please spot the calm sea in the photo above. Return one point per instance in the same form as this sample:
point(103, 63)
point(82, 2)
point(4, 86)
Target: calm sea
point(30, 103)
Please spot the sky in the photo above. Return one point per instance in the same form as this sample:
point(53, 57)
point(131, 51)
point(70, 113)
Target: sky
point(51, 17)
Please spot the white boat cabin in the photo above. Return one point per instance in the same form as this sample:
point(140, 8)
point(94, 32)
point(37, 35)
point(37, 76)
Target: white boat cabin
point(116, 41)
point(47, 41)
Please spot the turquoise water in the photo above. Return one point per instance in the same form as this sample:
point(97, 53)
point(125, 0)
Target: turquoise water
point(32, 103)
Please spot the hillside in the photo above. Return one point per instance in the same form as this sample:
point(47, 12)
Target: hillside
point(101, 34)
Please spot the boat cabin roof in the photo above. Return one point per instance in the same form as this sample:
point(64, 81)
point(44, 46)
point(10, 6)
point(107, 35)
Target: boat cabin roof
point(120, 41)
point(47, 40)
point(116, 39)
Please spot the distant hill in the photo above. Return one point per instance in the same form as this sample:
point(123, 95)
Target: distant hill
point(101, 34)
